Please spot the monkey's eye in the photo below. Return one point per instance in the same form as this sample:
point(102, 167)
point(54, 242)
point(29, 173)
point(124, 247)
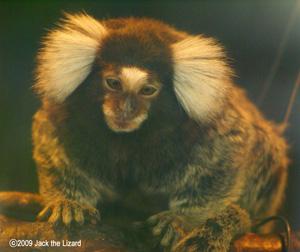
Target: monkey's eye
point(148, 90)
point(113, 84)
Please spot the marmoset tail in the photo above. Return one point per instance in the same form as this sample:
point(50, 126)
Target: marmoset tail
point(133, 109)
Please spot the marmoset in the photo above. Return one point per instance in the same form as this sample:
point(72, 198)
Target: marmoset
point(133, 109)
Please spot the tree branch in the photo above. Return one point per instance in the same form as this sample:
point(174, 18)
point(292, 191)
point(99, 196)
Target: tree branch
point(102, 238)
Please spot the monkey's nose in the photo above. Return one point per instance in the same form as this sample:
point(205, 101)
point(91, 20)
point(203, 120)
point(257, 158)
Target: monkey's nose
point(128, 109)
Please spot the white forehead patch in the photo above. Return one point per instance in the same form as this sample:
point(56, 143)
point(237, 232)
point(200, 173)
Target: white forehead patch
point(133, 78)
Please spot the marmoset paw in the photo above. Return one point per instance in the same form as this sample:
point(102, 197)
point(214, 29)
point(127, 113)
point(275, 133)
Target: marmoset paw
point(67, 212)
point(167, 228)
point(201, 241)
point(209, 237)
point(216, 232)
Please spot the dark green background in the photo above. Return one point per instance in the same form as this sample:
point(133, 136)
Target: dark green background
point(251, 31)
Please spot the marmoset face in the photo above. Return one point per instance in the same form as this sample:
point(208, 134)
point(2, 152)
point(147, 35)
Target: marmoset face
point(129, 92)
point(148, 71)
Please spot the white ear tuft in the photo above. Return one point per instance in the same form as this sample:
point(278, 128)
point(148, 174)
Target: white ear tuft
point(201, 77)
point(67, 57)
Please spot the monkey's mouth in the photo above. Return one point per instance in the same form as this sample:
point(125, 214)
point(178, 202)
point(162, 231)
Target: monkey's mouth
point(118, 125)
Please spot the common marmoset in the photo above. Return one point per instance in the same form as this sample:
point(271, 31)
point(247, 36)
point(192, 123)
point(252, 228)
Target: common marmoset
point(134, 108)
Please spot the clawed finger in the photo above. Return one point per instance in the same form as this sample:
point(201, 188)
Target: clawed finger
point(68, 213)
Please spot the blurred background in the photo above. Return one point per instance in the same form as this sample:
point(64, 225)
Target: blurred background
point(252, 32)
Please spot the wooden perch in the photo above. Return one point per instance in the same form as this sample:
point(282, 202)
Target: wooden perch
point(265, 243)
point(100, 238)
point(19, 205)
point(40, 236)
